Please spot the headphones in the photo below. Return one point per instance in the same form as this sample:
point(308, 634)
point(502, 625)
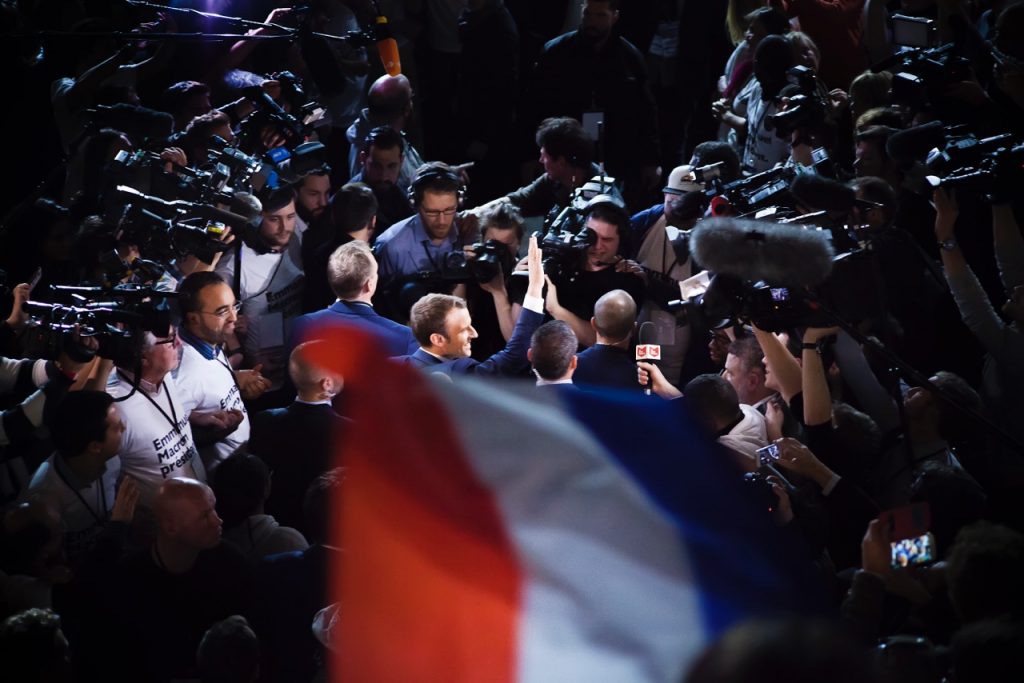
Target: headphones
point(430, 173)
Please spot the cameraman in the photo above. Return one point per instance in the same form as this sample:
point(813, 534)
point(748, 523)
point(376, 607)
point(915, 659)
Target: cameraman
point(38, 385)
point(574, 288)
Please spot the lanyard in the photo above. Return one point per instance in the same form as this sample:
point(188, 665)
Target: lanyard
point(101, 496)
point(170, 403)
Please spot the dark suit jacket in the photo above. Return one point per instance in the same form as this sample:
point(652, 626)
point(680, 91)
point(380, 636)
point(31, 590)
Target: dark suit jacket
point(292, 588)
point(606, 366)
point(397, 338)
point(509, 361)
point(297, 444)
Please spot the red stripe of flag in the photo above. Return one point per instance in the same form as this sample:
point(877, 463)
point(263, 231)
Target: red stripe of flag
point(429, 585)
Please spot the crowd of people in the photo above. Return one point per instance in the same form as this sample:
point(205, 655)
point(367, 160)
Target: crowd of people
point(191, 211)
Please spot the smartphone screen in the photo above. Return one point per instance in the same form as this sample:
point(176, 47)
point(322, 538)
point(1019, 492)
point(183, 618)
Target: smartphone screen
point(912, 552)
point(768, 454)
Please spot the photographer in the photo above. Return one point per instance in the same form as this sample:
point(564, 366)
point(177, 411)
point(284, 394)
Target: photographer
point(574, 289)
point(494, 317)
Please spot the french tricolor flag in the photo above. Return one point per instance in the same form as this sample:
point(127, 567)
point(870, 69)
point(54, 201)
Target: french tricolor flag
point(496, 533)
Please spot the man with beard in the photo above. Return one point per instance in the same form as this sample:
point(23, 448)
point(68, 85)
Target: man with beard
point(205, 377)
point(312, 194)
point(380, 163)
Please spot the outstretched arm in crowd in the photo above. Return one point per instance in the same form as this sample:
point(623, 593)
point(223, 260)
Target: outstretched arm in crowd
point(817, 397)
point(781, 364)
point(1003, 342)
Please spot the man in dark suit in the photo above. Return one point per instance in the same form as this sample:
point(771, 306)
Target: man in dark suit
point(608, 364)
point(444, 329)
point(273, 436)
point(352, 274)
point(552, 355)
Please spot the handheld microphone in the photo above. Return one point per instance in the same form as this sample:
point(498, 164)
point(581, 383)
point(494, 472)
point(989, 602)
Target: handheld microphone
point(780, 255)
point(646, 351)
point(387, 46)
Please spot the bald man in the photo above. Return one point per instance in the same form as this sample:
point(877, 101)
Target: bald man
point(608, 363)
point(168, 594)
point(389, 103)
point(312, 416)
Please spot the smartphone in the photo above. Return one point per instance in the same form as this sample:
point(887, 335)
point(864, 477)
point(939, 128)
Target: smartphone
point(36, 277)
point(913, 552)
point(768, 454)
point(913, 31)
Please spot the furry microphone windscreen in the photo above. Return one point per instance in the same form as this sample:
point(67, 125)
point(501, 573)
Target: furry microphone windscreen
point(781, 255)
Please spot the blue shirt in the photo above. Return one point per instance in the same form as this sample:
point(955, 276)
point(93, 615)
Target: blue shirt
point(406, 249)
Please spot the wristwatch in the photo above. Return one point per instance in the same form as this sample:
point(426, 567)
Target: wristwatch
point(948, 245)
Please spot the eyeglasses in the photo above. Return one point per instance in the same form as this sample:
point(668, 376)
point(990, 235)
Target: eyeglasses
point(447, 213)
point(224, 311)
point(173, 339)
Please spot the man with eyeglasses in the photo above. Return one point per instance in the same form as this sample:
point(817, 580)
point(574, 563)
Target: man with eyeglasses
point(157, 444)
point(209, 384)
point(422, 242)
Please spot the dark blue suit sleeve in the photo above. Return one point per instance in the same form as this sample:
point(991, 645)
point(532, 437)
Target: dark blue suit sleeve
point(510, 359)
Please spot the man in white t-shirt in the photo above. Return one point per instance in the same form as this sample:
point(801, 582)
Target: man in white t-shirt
point(265, 273)
point(207, 381)
point(157, 443)
point(79, 478)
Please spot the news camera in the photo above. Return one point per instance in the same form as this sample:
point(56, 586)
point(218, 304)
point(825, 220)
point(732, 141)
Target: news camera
point(777, 276)
point(566, 239)
point(116, 317)
point(922, 76)
point(294, 128)
point(806, 109)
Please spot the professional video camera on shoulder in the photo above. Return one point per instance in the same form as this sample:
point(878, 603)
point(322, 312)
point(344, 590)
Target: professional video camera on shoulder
point(933, 155)
point(775, 276)
point(117, 317)
point(566, 238)
point(806, 106)
point(294, 124)
point(166, 230)
point(924, 71)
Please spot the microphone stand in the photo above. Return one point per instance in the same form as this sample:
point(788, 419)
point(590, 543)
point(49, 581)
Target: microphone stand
point(907, 371)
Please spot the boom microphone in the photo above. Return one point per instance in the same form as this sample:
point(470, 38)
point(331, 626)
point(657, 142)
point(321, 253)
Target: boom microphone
point(645, 350)
point(910, 146)
point(387, 46)
point(780, 255)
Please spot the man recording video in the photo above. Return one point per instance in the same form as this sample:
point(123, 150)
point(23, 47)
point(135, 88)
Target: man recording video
point(574, 287)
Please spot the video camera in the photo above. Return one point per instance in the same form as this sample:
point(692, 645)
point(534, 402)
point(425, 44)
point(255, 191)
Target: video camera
point(490, 259)
point(807, 107)
point(992, 167)
point(921, 76)
point(566, 239)
point(294, 128)
point(778, 276)
point(116, 317)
